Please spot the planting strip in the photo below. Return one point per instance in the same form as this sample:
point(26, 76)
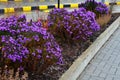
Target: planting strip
point(82, 61)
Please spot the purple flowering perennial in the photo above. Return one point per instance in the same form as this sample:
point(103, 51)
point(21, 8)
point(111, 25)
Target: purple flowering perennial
point(77, 25)
point(22, 40)
point(98, 8)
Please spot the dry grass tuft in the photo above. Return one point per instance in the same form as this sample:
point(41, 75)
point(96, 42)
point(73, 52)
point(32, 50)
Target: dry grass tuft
point(103, 20)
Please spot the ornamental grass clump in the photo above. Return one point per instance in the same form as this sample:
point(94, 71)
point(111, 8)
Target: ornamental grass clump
point(98, 8)
point(26, 46)
point(72, 27)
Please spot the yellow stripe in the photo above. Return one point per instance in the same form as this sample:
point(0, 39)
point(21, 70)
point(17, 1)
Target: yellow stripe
point(27, 8)
point(42, 0)
point(18, 0)
point(61, 5)
point(51, 0)
point(3, 0)
point(43, 7)
point(46, 11)
point(8, 10)
point(31, 0)
point(107, 3)
point(118, 3)
point(74, 5)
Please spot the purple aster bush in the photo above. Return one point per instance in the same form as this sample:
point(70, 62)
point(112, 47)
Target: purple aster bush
point(102, 8)
point(98, 8)
point(26, 46)
point(72, 27)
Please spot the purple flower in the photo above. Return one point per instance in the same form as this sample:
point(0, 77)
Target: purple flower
point(33, 53)
point(72, 26)
point(23, 41)
point(36, 37)
point(98, 8)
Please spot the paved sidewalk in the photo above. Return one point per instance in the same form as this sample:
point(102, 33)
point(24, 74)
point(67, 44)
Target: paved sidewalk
point(106, 63)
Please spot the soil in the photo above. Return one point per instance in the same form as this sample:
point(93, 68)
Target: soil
point(70, 53)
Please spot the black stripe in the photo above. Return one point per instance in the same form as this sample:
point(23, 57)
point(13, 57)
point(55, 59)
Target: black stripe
point(2, 11)
point(112, 3)
point(51, 6)
point(10, 0)
point(18, 9)
point(66, 5)
point(79, 5)
point(35, 8)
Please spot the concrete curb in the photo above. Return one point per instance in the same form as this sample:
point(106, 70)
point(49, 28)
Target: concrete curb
point(44, 7)
point(81, 62)
point(114, 3)
point(21, 0)
point(40, 7)
point(10, 0)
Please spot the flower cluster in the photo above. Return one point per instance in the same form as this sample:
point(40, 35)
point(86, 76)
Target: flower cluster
point(102, 8)
point(77, 25)
point(26, 44)
point(98, 8)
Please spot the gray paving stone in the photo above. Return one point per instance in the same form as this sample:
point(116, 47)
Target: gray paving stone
point(103, 75)
point(85, 77)
point(112, 70)
point(96, 72)
point(97, 61)
point(118, 72)
point(115, 53)
point(106, 68)
point(109, 78)
point(102, 64)
point(106, 63)
point(107, 57)
point(116, 79)
point(112, 58)
point(100, 56)
point(116, 61)
point(113, 76)
point(90, 70)
point(96, 78)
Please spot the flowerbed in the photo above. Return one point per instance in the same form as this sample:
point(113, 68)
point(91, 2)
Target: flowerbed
point(46, 49)
point(26, 46)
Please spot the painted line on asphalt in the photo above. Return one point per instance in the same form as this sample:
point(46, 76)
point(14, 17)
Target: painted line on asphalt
point(45, 7)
